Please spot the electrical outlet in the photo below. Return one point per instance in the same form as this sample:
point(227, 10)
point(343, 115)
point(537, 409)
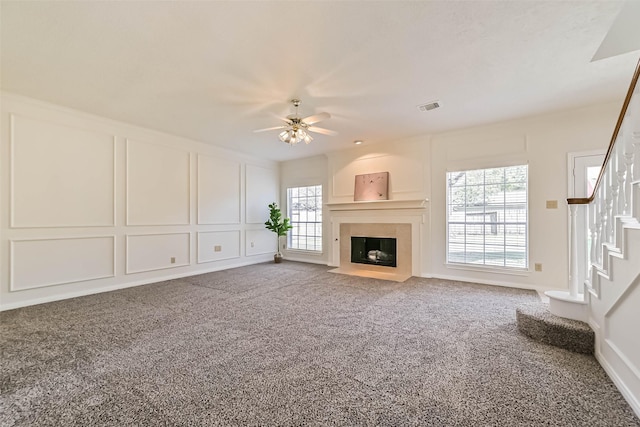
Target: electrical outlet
point(173, 260)
point(252, 245)
point(552, 204)
point(217, 248)
point(538, 266)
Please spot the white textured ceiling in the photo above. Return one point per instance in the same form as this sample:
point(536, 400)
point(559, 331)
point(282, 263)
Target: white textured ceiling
point(214, 71)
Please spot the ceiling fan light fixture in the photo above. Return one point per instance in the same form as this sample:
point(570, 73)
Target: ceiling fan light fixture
point(297, 128)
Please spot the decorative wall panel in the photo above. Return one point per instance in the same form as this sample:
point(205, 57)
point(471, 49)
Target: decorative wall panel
point(406, 174)
point(148, 252)
point(218, 191)
point(36, 263)
point(218, 245)
point(261, 242)
point(61, 176)
point(617, 320)
point(157, 185)
point(261, 185)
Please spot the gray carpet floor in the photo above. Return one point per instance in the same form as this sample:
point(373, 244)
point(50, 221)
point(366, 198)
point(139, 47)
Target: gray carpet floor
point(292, 344)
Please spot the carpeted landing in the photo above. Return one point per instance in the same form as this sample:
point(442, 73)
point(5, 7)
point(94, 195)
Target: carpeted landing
point(291, 344)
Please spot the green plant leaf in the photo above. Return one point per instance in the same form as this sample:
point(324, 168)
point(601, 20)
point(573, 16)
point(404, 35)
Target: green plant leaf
point(276, 223)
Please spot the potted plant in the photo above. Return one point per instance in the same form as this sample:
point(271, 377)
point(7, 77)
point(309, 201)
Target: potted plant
point(278, 225)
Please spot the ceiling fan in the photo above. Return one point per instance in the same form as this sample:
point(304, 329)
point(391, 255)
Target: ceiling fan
point(297, 129)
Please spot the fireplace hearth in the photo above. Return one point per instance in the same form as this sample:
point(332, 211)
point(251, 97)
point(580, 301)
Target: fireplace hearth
point(374, 250)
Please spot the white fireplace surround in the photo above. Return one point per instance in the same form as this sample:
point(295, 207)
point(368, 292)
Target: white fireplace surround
point(413, 212)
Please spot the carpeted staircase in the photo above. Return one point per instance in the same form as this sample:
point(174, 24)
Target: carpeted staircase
point(535, 321)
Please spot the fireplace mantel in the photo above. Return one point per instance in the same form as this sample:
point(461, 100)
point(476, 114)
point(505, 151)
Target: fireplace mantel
point(378, 205)
point(380, 214)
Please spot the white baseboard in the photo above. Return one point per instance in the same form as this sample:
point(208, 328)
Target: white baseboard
point(85, 292)
point(486, 282)
point(307, 260)
point(622, 388)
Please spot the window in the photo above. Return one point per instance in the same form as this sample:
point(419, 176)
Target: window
point(487, 217)
point(304, 206)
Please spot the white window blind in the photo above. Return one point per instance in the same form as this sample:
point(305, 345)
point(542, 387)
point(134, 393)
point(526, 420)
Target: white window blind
point(487, 217)
point(304, 206)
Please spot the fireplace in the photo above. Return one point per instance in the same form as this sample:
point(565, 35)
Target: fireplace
point(402, 220)
point(385, 239)
point(374, 250)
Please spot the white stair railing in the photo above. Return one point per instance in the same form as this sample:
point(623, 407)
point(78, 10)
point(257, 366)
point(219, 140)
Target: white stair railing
point(612, 198)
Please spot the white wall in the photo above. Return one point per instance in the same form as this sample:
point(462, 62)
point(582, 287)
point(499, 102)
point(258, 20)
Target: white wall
point(418, 167)
point(406, 161)
point(543, 143)
point(89, 204)
point(302, 173)
point(408, 164)
point(614, 315)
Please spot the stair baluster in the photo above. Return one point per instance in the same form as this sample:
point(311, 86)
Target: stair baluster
point(573, 265)
point(592, 221)
point(622, 173)
point(612, 209)
point(633, 137)
point(628, 162)
point(608, 236)
point(602, 220)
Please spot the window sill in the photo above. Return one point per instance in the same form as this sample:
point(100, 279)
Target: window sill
point(304, 252)
point(488, 269)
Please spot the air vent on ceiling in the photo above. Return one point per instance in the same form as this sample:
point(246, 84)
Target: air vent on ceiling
point(430, 106)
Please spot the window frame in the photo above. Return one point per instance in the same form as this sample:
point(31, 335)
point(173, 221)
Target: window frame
point(505, 269)
point(319, 202)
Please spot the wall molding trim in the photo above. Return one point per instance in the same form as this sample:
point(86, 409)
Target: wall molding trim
point(109, 288)
point(199, 198)
point(200, 260)
point(128, 251)
point(485, 282)
point(46, 239)
point(619, 383)
point(128, 143)
point(378, 205)
point(12, 180)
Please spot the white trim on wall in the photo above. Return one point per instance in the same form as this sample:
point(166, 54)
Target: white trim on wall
point(130, 284)
point(200, 260)
point(108, 269)
point(614, 374)
point(12, 268)
point(199, 215)
point(128, 222)
point(12, 189)
point(128, 251)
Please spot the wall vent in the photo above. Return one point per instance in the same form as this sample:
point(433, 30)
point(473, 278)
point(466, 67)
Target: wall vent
point(430, 106)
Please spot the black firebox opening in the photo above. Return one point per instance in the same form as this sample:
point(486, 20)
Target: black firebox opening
point(374, 250)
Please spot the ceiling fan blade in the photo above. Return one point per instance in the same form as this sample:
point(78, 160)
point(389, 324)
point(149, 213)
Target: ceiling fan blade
point(321, 130)
point(284, 119)
point(273, 128)
point(316, 118)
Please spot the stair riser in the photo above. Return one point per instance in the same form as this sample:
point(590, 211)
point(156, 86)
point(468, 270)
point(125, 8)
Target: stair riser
point(544, 327)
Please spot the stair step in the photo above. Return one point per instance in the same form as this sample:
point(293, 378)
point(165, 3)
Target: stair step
point(535, 321)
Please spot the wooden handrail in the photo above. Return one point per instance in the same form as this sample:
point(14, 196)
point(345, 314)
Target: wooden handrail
point(625, 105)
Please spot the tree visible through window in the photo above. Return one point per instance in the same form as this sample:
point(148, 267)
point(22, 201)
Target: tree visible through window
point(304, 206)
point(487, 217)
